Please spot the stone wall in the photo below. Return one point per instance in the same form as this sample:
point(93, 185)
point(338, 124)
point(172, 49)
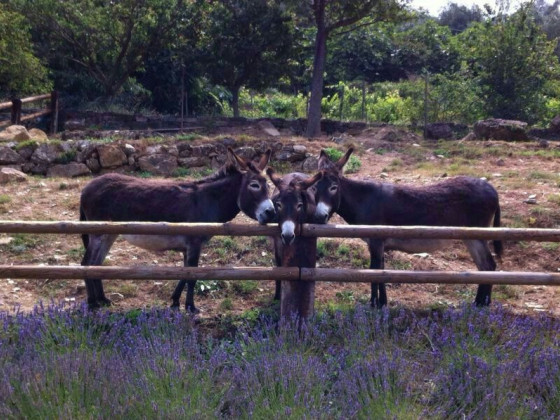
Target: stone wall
point(74, 158)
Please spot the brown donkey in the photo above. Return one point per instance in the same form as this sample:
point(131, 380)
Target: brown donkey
point(458, 201)
point(238, 185)
point(294, 205)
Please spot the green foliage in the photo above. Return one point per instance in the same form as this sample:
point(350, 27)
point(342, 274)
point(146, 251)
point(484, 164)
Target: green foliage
point(511, 61)
point(245, 287)
point(109, 42)
point(5, 199)
point(204, 287)
point(271, 103)
point(21, 71)
point(353, 165)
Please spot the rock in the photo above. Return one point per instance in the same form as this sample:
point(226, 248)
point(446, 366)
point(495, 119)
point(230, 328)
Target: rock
point(129, 149)
point(38, 135)
point(469, 137)
point(11, 175)
point(47, 153)
point(203, 150)
point(501, 162)
point(73, 125)
point(111, 156)
point(268, 128)
point(93, 164)
point(310, 164)
point(437, 131)
point(383, 175)
point(9, 157)
point(300, 148)
point(543, 144)
point(193, 162)
point(15, 133)
point(288, 154)
point(555, 124)
point(70, 170)
point(159, 164)
point(498, 129)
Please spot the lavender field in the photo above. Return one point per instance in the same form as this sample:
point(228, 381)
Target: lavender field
point(460, 363)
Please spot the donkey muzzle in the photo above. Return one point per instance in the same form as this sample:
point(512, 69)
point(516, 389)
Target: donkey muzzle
point(288, 234)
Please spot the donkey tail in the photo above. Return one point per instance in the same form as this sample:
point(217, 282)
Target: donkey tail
point(498, 245)
point(85, 237)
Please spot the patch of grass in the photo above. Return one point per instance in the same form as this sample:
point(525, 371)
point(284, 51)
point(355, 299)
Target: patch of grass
point(245, 287)
point(394, 165)
point(343, 250)
point(145, 174)
point(550, 246)
point(181, 172)
point(201, 172)
point(540, 175)
point(226, 304)
point(245, 138)
point(28, 143)
point(505, 291)
point(127, 289)
point(554, 199)
point(5, 199)
point(188, 136)
point(22, 242)
point(398, 264)
point(345, 296)
point(66, 157)
point(76, 253)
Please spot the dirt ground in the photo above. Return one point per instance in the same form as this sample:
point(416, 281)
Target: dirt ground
point(518, 171)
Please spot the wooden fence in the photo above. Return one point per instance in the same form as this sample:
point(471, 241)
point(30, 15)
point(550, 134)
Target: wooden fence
point(282, 273)
point(16, 106)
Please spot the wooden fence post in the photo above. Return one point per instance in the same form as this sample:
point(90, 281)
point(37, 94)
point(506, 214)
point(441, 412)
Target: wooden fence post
point(298, 297)
point(54, 112)
point(16, 111)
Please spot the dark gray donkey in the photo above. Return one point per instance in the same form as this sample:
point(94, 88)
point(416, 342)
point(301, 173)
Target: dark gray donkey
point(238, 185)
point(458, 201)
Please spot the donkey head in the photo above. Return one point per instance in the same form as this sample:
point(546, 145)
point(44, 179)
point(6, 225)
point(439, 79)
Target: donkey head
point(253, 197)
point(327, 190)
point(292, 204)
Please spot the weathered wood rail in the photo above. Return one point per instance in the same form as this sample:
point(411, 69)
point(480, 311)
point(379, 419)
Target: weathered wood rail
point(285, 273)
point(16, 106)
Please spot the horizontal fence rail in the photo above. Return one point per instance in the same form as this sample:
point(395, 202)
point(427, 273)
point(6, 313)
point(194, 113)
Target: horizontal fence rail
point(309, 230)
point(280, 273)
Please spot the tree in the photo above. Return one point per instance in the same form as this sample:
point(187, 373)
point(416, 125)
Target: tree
point(247, 43)
point(512, 62)
point(459, 17)
point(110, 40)
point(330, 16)
point(21, 72)
point(427, 46)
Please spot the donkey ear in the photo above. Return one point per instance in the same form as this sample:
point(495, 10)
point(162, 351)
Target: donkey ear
point(265, 158)
point(236, 161)
point(324, 161)
point(342, 161)
point(276, 180)
point(306, 183)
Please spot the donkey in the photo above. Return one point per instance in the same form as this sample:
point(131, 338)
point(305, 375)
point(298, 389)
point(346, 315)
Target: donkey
point(238, 185)
point(458, 201)
point(295, 205)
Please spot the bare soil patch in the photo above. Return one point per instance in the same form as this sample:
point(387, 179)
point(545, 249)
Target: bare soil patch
point(517, 171)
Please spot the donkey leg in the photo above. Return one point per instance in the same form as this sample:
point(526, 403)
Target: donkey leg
point(378, 290)
point(484, 262)
point(97, 250)
point(191, 260)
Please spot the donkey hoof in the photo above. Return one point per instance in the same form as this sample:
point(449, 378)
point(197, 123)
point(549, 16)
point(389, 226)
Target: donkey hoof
point(192, 309)
point(175, 305)
point(104, 302)
point(92, 305)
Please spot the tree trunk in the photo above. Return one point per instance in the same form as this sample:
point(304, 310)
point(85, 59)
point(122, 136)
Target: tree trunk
point(314, 115)
point(235, 101)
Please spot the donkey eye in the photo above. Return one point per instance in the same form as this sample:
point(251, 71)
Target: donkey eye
point(333, 188)
point(299, 207)
point(255, 186)
point(278, 205)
